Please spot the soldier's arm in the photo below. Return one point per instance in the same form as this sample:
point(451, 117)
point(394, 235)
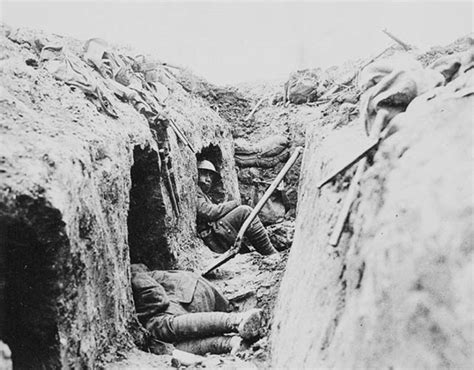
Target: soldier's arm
point(211, 212)
point(149, 296)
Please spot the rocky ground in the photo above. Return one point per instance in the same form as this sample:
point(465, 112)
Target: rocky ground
point(249, 276)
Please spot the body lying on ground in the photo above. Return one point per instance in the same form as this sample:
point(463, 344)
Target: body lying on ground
point(219, 224)
point(184, 309)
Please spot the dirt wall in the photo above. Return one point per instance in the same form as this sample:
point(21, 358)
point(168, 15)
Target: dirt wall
point(205, 130)
point(70, 178)
point(397, 290)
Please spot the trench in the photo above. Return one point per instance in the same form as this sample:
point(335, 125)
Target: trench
point(33, 239)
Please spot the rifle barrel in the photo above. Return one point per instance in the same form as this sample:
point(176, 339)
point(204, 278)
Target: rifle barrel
point(348, 164)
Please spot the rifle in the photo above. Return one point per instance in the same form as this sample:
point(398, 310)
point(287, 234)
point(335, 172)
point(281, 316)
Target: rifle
point(361, 154)
point(159, 128)
point(234, 250)
point(179, 133)
point(347, 165)
point(169, 181)
point(353, 190)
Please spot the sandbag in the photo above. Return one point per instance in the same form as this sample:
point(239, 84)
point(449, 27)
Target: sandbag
point(452, 66)
point(268, 147)
point(392, 85)
point(273, 211)
point(275, 208)
point(256, 160)
point(376, 71)
point(266, 153)
point(302, 87)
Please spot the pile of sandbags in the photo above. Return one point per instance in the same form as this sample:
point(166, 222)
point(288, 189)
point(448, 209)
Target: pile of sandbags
point(251, 157)
point(393, 83)
point(266, 153)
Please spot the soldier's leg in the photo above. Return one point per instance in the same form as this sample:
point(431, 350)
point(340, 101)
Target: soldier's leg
point(256, 233)
point(169, 328)
point(216, 345)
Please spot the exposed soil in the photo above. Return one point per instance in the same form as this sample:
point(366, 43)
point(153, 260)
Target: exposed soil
point(379, 298)
point(250, 276)
point(84, 194)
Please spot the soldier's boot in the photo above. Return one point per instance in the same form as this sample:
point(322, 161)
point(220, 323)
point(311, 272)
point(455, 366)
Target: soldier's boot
point(258, 237)
point(248, 323)
point(216, 345)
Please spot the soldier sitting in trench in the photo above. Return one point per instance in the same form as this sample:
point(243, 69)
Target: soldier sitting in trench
point(219, 224)
point(184, 309)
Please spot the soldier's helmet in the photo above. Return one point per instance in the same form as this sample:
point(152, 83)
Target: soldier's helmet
point(207, 165)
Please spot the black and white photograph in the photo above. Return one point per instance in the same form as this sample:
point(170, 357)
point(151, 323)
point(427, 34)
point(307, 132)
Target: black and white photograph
point(236, 184)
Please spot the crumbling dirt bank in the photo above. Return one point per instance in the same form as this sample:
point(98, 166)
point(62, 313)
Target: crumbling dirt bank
point(397, 289)
point(70, 177)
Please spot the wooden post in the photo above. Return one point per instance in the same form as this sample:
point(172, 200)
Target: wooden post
point(254, 109)
point(404, 45)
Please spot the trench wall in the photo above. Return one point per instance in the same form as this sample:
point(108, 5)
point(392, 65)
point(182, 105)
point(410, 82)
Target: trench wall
point(67, 184)
point(397, 291)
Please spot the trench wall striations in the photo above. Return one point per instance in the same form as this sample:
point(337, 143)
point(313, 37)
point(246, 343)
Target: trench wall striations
point(66, 180)
point(397, 290)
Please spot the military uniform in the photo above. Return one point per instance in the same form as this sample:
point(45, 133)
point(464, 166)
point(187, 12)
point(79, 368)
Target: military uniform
point(219, 224)
point(182, 308)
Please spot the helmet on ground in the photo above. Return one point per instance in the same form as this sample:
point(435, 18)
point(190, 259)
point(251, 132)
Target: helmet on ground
point(206, 165)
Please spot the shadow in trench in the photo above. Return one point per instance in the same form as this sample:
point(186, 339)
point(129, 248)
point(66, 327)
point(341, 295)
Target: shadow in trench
point(147, 214)
point(30, 243)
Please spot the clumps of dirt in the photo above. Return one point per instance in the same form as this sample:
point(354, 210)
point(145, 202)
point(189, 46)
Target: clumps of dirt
point(281, 234)
point(249, 280)
point(459, 45)
point(228, 102)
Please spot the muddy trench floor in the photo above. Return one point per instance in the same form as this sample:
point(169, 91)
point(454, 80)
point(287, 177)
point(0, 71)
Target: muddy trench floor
point(254, 283)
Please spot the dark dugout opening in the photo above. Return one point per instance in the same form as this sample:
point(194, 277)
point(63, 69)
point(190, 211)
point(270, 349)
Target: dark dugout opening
point(147, 214)
point(31, 237)
point(214, 154)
